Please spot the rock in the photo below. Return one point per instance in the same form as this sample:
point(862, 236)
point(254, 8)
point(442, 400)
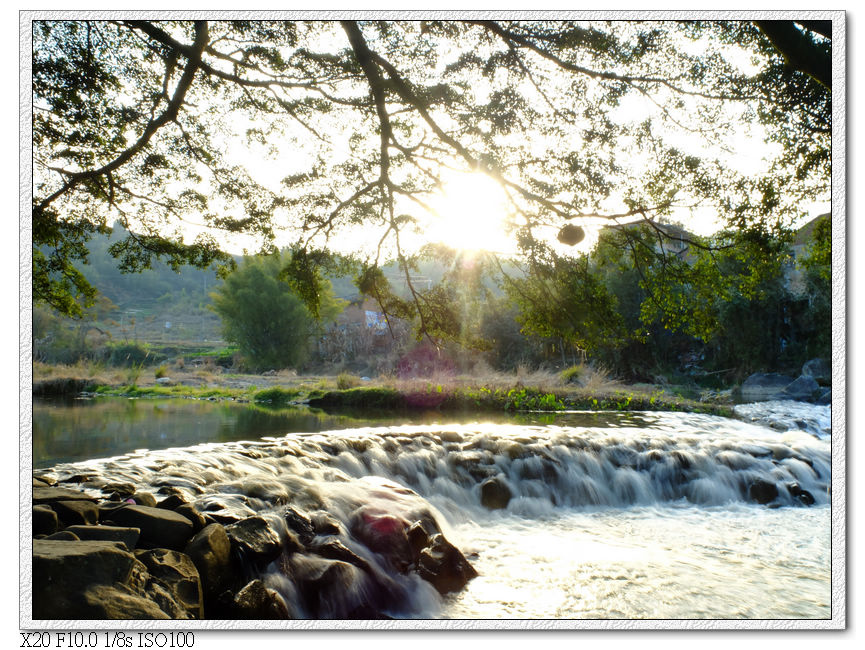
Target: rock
point(418, 539)
point(762, 491)
point(255, 601)
point(819, 369)
point(144, 499)
point(444, 566)
point(333, 549)
point(102, 602)
point(43, 480)
point(188, 510)
point(254, 539)
point(329, 588)
point(64, 535)
point(825, 397)
point(45, 521)
point(64, 570)
point(210, 552)
point(180, 594)
point(128, 536)
point(802, 496)
point(118, 491)
point(300, 524)
point(76, 512)
point(384, 534)
point(165, 381)
point(761, 387)
point(171, 502)
point(162, 528)
point(54, 494)
point(40, 483)
point(325, 524)
point(495, 493)
point(801, 390)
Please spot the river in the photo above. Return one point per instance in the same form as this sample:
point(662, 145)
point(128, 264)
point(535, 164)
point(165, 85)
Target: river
point(643, 515)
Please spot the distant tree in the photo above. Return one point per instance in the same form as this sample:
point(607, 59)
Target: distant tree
point(137, 120)
point(261, 314)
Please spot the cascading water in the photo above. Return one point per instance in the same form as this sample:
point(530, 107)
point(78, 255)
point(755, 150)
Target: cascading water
point(639, 515)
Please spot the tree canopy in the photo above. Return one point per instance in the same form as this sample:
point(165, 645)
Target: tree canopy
point(164, 126)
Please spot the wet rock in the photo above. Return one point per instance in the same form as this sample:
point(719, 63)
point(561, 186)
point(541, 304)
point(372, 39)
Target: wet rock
point(333, 549)
point(162, 528)
point(325, 524)
point(44, 480)
point(40, 483)
point(45, 521)
point(54, 494)
point(444, 566)
point(761, 387)
point(801, 390)
point(171, 502)
point(76, 512)
point(188, 510)
point(144, 499)
point(175, 585)
point(256, 602)
point(495, 494)
point(384, 534)
point(819, 369)
point(119, 491)
point(824, 397)
point(127, 536)
point(210, 552)
point(418, 539)
point(300, 525)
point(329, 588)
point(802, 496)
point(762, 491)
point(254, 539)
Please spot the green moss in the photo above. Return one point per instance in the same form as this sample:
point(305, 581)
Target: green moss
point(275, 396)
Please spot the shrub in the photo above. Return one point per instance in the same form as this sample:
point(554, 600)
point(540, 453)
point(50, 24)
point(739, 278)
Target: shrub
point(345, 381)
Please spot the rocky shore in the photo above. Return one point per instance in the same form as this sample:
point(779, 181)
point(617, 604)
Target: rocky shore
point(126, 554)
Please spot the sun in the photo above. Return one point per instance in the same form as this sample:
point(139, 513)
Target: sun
point(470, 214)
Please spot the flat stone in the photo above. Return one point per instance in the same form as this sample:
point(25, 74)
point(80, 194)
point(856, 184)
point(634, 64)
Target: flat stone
point(52, 494)
point(76, 512)
point(163, 528)
point(64, 535)
point(802, 389)
point(128, 536)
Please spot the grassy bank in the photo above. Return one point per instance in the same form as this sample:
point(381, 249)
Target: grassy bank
point(517, 392)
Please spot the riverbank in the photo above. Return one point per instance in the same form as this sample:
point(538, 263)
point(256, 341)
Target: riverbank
point(521, 391)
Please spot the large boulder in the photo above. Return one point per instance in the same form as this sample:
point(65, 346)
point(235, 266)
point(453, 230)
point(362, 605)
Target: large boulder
point(803, 389)
point(762, 387)
point(495, 493)
point(819, 369)
point(159, 528)
point(64, 570)
point(444, 566)
point(762, 491)
point(175, 585)
point(75, 512)
point(210, 552)
point(254, 539)
point(383, 533)
point(45, 521)
point(255, 601)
